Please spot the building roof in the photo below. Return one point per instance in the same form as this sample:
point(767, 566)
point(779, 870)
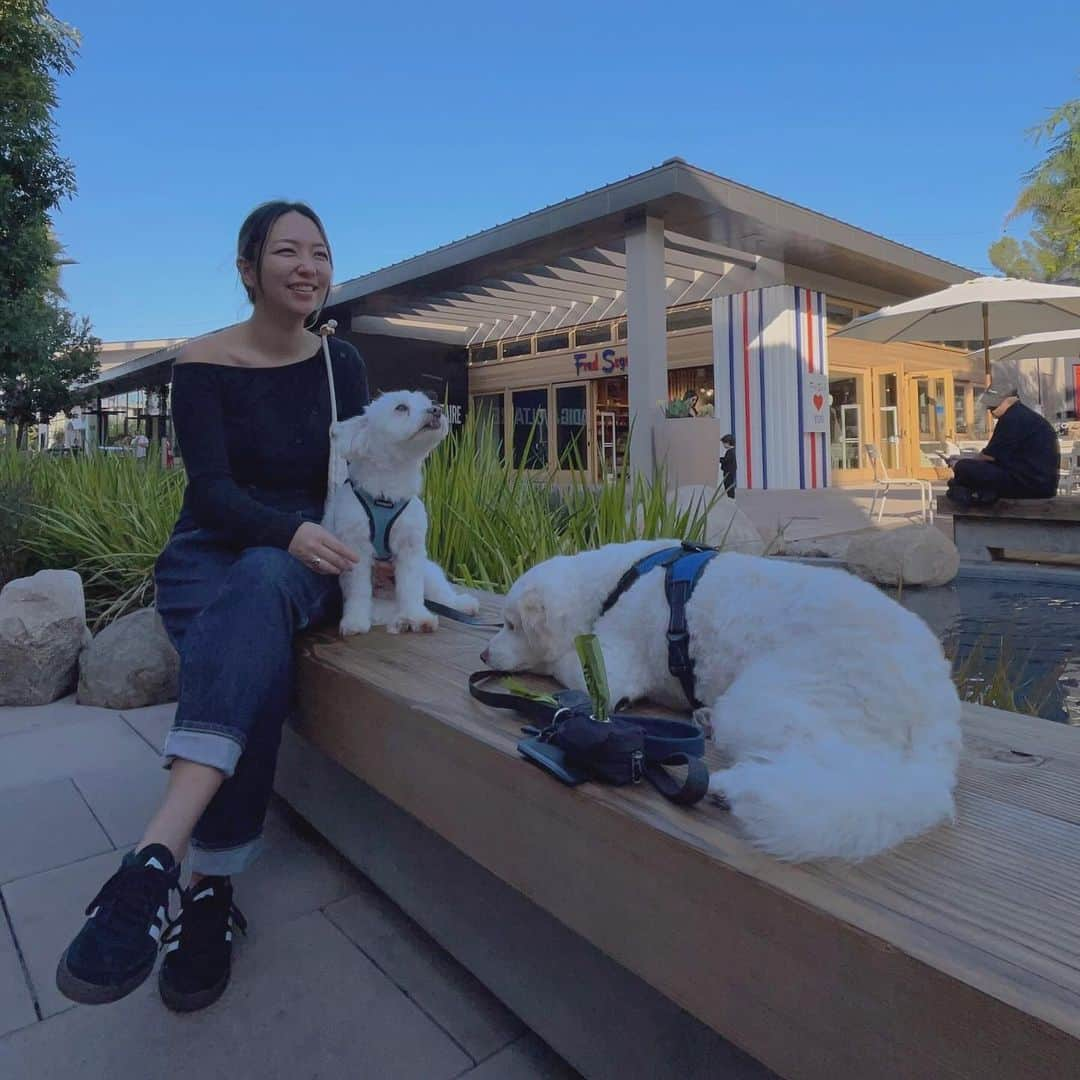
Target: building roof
point(565, 264)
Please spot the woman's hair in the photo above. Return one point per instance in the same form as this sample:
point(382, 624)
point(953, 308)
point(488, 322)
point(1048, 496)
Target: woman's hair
point(256, 228)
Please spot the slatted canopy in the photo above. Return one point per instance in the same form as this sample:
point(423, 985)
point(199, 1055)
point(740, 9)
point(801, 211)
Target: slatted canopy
point(580, 287)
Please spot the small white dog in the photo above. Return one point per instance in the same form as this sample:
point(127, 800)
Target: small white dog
point(377, 511)
point(834, 703)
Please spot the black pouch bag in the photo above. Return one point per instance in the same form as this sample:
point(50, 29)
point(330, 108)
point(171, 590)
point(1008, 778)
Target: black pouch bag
point(571, 745)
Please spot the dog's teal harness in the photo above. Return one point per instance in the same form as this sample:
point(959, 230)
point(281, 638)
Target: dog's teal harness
point(683, 567)
point(382, 513)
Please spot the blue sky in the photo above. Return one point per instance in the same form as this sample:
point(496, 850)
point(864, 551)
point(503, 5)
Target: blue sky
point(409, 125)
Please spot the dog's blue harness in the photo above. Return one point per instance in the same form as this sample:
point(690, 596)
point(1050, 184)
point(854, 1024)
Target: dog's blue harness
point(382, 513)
point(683, 567)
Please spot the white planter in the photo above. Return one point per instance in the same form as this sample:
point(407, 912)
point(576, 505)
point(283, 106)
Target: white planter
point(690, 448)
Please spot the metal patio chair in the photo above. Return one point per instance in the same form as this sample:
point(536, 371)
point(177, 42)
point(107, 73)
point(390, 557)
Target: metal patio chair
point(884, 483)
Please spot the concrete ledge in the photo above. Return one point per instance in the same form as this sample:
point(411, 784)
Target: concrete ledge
point(602, 1018)
point(1042, 526)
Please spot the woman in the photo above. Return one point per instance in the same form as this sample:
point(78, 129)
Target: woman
point(247, 567)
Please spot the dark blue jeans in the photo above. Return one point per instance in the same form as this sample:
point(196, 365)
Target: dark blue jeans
point(987, 478)
point(232, 615)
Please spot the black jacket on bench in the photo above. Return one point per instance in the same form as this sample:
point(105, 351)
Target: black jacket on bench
point(1026, 447)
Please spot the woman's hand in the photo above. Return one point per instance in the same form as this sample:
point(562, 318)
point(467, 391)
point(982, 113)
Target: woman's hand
point(320, 550)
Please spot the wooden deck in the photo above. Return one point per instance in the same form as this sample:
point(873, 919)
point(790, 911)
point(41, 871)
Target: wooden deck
point(957, 955)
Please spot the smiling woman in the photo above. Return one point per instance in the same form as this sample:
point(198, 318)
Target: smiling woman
point(247, 566)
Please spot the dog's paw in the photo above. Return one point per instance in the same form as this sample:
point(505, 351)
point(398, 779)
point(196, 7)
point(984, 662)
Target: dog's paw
point(417, 624)
point(353, 624)
point(466, 604)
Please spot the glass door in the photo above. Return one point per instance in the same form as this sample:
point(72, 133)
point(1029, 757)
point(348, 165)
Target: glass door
point(573, 447)
point(931, 425)
point(529, 428)
point(888, 434)
point(848, 414)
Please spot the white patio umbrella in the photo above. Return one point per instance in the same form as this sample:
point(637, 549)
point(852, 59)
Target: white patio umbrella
point(1036, 346)
point(984, 307)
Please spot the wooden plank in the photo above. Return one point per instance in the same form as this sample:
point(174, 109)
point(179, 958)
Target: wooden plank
point(957, 955)
point(1064, 508)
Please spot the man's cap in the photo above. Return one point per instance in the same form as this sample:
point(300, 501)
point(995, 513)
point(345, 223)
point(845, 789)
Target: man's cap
point(993, 396)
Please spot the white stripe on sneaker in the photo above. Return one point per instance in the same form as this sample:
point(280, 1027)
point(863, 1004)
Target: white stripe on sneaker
point(208, 891)
point(154, 863)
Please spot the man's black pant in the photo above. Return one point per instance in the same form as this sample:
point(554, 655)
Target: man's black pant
point(988, 481)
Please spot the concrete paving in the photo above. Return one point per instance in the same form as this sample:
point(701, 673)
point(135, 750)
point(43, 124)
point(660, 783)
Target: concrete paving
point(333, 979)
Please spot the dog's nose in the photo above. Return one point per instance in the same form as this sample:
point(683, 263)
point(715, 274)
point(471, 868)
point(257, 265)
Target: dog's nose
point(485, 656)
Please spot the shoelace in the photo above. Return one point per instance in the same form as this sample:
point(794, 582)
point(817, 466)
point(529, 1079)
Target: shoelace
point(129, 899)
point(203, 931)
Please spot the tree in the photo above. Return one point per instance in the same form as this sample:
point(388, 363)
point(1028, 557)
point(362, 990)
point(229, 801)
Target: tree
point(43, 347)
point(1052, 196)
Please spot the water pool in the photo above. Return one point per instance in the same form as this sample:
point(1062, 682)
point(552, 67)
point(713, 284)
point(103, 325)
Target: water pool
point(1029, 614)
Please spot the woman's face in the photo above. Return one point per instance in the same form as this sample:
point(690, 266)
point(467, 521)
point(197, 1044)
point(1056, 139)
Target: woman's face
point(296, 269)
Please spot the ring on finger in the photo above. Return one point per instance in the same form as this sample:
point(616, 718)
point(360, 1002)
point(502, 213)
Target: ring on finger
point(316, 562)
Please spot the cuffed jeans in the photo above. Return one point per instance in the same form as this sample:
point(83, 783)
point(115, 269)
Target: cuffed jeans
point(232, 615)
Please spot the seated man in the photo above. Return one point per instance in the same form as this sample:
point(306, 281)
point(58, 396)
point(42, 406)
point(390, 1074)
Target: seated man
point(1019, 462)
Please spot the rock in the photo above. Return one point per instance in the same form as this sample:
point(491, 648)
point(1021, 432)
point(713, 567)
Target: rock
point(727, 526)
point(42, 630)
point(131, 663)
point(909, 555)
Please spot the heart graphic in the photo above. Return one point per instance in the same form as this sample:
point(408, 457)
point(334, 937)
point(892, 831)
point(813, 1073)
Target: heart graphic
point(819, 400)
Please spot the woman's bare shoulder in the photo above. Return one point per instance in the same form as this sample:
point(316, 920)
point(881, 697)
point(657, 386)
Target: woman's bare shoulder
point(219, 347)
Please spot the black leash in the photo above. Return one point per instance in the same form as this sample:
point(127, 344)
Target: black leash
point(460, 616)
point(667, 743)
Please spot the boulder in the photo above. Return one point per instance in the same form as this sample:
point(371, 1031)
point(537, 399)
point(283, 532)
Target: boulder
point(42, 630)
point(131, 663)
point(727, 526)
point(909, 555)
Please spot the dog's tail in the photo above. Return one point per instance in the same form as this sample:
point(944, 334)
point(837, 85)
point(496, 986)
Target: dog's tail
point(839, 800)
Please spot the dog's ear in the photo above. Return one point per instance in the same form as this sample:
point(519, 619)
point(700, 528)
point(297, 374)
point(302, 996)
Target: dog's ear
point(540, 624)
point(350, 436)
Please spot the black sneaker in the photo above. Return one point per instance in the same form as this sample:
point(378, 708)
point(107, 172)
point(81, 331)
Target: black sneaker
point(198, 946)
point(118, 944)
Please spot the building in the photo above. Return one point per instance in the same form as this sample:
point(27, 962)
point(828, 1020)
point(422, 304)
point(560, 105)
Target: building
point(579, 320)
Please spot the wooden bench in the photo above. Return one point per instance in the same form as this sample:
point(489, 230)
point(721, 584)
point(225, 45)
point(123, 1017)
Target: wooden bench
point(1023, 526)
point(957, 955)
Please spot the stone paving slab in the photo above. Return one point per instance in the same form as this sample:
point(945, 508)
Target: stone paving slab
point(306, 1004)
point(16, 1004)
point(16, 718)
point(452, 996)
point(100, 741)
point(46, 912)
point(526, 1059)
point(123, 799)
point(152, 722)
point(44, 826)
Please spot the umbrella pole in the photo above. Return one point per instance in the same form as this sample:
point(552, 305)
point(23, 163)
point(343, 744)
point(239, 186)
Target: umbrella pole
point(986, 341)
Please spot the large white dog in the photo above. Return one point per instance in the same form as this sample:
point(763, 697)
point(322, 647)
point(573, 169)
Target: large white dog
point(383, 450)
point(833, 703)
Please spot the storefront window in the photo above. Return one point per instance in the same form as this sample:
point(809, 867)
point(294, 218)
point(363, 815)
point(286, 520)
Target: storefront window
point(960, 392)
point(521, 347)
point(932, 417)
point(689, 317)
point(552, 342)
point(697, 381)
point(845, 421)
point(889, 419)
point(489, 409)
point(592, 335)
point(530, 428)
point(571, 420)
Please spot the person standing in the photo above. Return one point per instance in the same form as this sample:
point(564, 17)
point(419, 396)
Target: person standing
point(728, 465)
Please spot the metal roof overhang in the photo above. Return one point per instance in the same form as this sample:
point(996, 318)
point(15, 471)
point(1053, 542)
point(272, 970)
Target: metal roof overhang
point(565, 264)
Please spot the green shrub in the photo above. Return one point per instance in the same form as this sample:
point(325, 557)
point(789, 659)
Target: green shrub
point(107, 517)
